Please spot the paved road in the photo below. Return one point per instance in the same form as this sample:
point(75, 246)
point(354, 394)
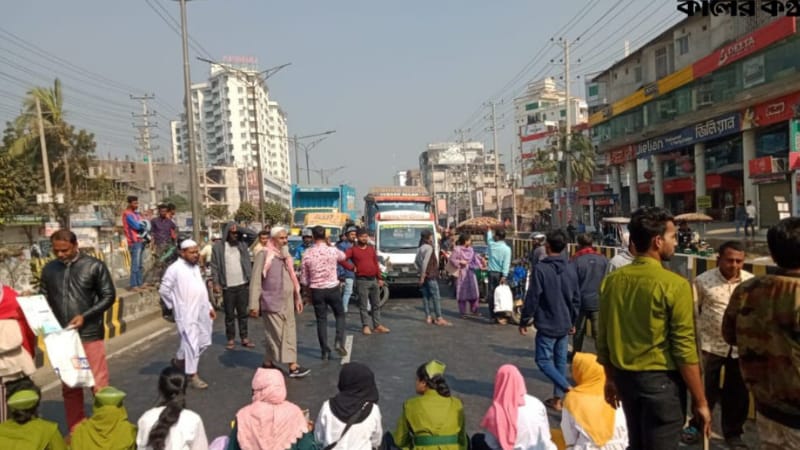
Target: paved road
point(472, 350)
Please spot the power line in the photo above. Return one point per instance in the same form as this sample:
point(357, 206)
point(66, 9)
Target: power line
point(175, 26)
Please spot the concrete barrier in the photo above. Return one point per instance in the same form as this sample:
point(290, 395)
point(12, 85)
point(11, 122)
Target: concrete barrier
point(130, 310)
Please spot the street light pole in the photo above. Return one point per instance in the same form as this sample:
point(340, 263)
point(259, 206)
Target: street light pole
point(187, 87)
point(306, 149)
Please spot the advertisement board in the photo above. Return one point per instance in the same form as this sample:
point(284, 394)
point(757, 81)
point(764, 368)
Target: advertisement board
point(700, 132)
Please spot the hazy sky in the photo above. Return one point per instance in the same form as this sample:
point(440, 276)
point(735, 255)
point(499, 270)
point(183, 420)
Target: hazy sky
point(390, 77)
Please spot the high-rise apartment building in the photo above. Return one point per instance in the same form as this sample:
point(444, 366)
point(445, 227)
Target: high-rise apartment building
point(234, 117)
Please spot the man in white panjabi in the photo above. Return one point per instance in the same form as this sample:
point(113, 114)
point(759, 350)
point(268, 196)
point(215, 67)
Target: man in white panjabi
point(184, 291)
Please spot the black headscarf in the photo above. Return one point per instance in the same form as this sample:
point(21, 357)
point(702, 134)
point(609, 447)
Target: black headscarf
point(356, 387)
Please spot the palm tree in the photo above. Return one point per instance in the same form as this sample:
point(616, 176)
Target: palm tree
point(60, 137)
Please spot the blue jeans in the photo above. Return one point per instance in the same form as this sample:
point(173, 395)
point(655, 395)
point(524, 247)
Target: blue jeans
point(348, 291)
point(430, 298)
point(551, 358)
point(136, 264)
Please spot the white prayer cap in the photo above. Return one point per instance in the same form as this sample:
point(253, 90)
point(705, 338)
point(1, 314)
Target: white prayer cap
point(276, 230)
point(188, 243)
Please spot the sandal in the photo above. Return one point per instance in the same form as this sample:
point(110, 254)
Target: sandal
point(690, 435)
point(429, 320)
point(443, 323)
point(230, 345)
point(247, 344)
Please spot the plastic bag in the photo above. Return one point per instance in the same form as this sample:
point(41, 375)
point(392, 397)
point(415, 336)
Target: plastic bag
point(68, 358)
point(503, 299)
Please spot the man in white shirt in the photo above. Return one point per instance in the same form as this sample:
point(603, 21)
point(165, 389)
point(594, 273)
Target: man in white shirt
point(751, 218)
point(183, 292)
point(712, 292)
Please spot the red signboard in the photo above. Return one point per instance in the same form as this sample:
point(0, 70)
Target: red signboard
point(621, 155)
point(643, 188)
point(745, 46)
point(760, 166)
point(777, 110)
point(794, 162)
point(678, 185)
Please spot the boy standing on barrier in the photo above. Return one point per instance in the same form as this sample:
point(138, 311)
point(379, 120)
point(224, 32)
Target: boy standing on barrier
point(79, 290)
point(646, 339)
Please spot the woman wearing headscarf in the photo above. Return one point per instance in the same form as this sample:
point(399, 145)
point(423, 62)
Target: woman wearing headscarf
point(434, 419)
point(516, 420)
point(465, 258)
point(108, 428)
point(351, 420)
point(24, 429)
point(587, 420)
point(270, 422)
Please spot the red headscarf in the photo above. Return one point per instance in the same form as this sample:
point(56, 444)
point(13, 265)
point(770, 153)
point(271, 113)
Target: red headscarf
point(9, 309)
point(509, 395)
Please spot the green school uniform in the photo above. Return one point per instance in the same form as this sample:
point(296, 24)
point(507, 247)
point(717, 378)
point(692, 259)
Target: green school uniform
point(37, 434)
point(432, 422)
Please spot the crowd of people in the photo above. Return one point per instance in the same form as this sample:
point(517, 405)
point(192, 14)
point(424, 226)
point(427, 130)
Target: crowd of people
point(721, 338)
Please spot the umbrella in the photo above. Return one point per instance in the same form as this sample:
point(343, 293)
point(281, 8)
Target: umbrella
point(480, 224)
point(693, 217)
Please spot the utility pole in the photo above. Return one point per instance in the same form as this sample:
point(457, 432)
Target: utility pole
point(567, 131)
point(493, 129)
point(252, 83)
point(296, 161)
point(144, 142)
point(467, 181)
point(514, 189)
point(48, 188)
point(187, 87)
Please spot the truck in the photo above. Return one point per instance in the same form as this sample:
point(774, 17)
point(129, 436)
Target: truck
point(397, 239)
point(322, 199)
point(394, 198)
point(332, 222)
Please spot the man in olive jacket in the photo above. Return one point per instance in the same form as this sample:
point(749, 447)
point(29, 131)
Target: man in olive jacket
point(79, 290)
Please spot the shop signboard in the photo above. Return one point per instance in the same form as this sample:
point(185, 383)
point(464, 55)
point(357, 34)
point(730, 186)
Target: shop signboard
point(761, 166)
point(710, 129)
point(794, 144)
point(704, 201)
point(621, 155)
point(776, 110)
point(745, 46)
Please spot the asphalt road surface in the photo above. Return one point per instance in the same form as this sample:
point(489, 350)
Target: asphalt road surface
point(473, 349)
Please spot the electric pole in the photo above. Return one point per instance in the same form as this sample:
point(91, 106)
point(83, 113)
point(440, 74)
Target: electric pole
point(467, 183)
point(48, 188)
point(296, 161)
point(493, 129)
point(144, 142)
point(514, 189)
point(252, 83)
point(567, 131)
point(187, 87)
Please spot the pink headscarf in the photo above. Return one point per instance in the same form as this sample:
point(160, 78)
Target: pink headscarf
point(509, 395)
point(270, 422)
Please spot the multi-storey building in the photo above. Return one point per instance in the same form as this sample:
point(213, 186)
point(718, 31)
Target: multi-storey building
point(704, 117)
point(455, 172)
point(234, 119)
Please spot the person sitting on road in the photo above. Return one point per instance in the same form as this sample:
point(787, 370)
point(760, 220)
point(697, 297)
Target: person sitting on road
point(434, 418)
point(270, 421)
point(515, 419)
point(351, 419)
point(170, 426)
point(24, 429)
point(108, 428)
point(587, 420)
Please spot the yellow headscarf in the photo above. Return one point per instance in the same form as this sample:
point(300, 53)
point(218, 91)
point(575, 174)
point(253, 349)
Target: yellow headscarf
point(586, 401)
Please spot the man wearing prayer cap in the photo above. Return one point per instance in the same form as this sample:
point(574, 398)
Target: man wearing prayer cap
point(25, 429)
point(108, 428)
point(184, 291)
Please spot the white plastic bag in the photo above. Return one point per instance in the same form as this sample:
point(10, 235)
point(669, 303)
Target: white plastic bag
point(68, 359)
point(503, 299)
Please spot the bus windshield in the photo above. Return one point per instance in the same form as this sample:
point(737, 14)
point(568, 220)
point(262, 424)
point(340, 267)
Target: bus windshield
point(403, 206)
point(400, 238)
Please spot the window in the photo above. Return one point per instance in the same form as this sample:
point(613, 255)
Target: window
point(662, 65)
point(594, 90)
point(240, 89)
point(637, 74)
point(683, 45)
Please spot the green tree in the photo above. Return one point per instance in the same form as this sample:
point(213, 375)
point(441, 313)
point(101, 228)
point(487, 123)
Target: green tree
point(247, 212)
point(180, 202)
point(18, 187)
point(275, 213)
point(69, 151)
point(217, 212)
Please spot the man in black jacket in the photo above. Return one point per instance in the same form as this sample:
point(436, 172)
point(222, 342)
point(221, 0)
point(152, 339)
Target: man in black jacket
point(551, 305)
point(591, 268)
point(230, 272)
point(79, 290)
